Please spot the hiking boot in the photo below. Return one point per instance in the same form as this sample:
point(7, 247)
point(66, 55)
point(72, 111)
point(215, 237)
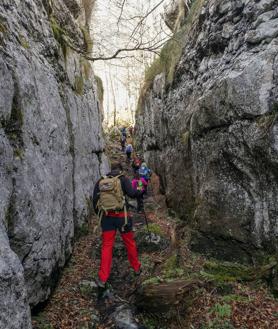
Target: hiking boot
point(104, 292)
point(101, 289)
point(100, 283)
point(138, 273)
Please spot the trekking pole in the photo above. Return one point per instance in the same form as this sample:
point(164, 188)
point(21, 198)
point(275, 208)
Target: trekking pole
point(147, 223)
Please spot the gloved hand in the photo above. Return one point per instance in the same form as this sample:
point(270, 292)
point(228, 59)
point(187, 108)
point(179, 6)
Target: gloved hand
point(128, 227)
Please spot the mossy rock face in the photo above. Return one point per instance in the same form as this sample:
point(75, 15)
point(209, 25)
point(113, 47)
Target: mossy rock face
point(23, 41)
point(224, 274)
point(171, 269)
point(79, 85)
point(227, 272)
point(60, 36)
point(185, 138)
point(3, 28)
point(18, 153)
point(13, 129)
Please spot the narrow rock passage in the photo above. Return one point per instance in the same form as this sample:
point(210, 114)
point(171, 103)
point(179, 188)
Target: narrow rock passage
point(177, 289)
point(74, 303)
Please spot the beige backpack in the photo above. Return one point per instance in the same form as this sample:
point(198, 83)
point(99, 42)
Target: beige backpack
point(111, 196)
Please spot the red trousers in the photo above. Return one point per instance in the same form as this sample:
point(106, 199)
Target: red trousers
point(108, 239)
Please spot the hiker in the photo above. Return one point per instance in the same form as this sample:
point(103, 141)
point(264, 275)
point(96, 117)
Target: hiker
point(139, 184)
point(109, 202)
point(128, 151)
point(123, 141)
point(145, 172)
point(136, 163)
point(123, 131)
point(130, 130)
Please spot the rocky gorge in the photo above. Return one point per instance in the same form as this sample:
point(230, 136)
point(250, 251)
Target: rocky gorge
point(51, 148)
point(207, 124)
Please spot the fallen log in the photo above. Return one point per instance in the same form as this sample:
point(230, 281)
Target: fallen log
point(167, 296)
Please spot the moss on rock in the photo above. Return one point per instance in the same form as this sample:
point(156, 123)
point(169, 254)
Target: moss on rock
point(79, 85)
point(23, 41)
point(3, 28)
point(226, 271)
point(59, 35)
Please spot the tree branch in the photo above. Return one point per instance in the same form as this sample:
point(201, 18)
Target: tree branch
point(144, 17)
point(121, 13)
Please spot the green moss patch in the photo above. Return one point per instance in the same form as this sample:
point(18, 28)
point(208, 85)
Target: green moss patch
point(235, 298)
point(79, 85)
point(3, 28)
point(18, 153)
point(59, 35)
point(153, 228)
point(153, 280)
point(267, 120)
point(171, 268)
point(185, 138)
point(226, 272)
point(23, 41)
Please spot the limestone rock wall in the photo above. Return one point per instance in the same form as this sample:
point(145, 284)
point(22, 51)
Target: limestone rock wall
point(212, 135)
point(51, 149)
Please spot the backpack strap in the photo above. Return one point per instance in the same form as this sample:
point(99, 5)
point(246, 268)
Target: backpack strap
point(125, 211)
point(102, 211)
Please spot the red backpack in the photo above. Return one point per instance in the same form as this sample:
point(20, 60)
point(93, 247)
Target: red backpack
point(137, 162)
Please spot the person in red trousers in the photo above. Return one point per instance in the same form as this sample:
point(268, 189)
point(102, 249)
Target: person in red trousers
point(111, 222)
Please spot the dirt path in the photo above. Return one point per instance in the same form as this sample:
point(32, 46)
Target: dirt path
point(74, 302)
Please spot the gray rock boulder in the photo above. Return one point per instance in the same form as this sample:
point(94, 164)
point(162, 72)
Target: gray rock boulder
point(211, 134)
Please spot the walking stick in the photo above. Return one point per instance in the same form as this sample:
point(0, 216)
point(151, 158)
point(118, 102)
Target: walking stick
point(147, 223)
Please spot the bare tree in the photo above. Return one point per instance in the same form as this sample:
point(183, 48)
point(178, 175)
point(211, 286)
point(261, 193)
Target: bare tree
point(133, 34)
point(133, 30)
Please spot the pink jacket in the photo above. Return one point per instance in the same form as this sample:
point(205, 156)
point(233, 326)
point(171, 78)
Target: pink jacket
point(136, 181)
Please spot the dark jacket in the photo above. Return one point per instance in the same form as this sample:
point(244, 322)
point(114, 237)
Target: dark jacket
point(126, 187)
